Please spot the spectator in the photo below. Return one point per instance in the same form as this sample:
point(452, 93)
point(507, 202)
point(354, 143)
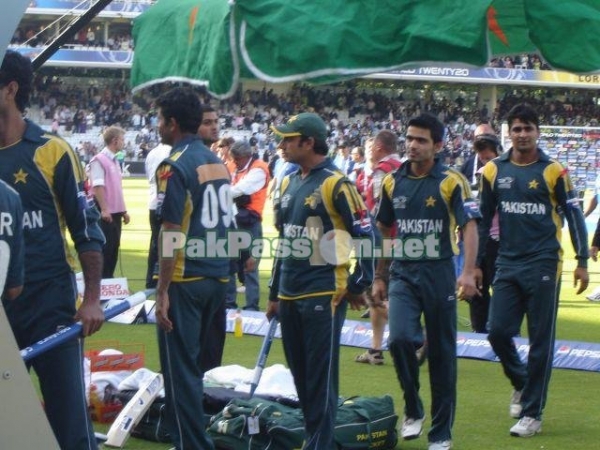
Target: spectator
point(107, 185)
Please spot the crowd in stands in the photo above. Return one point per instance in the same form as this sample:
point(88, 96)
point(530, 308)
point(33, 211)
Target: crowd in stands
point(353, 113)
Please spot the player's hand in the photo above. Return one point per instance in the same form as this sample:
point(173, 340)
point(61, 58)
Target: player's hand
point(91, 316)
point(249, 265)
point(467, 285)
point(594, 253)
point(357, 301)
point(272, 309)
point(126, 218)
point(106, 216)
point(162, 311)
point(581, 276)
point(379, 292)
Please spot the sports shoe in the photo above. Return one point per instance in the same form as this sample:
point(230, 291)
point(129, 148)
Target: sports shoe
point(526, 427)
point(515, 407)
point(594, 296)
point(366, 314)
point(412, 428)
point(440, 445)
point(370, 357)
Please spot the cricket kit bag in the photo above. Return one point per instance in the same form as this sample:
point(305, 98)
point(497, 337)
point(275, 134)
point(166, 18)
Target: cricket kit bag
point(257, 424)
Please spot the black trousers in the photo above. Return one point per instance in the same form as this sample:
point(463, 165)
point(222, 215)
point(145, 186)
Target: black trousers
point(110, 251)
point(152, 250)
point(479, 306)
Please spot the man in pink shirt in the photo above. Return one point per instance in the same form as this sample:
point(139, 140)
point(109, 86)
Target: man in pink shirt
point(106, 180)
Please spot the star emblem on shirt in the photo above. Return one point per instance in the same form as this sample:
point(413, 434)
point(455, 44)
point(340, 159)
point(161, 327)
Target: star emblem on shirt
point(430, 202)
point(20, 176)
point(533, 184)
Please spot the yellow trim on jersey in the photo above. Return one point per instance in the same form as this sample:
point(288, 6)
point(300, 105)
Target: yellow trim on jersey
point(551, 174)
point(178, 274)
point(212, 172)
point(303, 296)
point(46, 158)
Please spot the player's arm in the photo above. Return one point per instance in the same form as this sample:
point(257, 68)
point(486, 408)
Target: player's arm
point(16, 254)
point(82, 222)
point(385, 218)
point(569, 202)
point(487, 209)
point(170, 207)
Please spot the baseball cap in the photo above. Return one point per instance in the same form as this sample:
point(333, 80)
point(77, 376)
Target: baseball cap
point(484, 140)
point(303, 124)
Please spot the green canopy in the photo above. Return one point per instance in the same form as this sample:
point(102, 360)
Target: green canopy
point(215, 42)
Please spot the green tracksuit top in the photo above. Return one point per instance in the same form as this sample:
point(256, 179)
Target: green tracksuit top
point(532, 201)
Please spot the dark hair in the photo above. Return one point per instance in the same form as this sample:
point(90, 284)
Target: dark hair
point(388, 140)
point(207, 108)
point(182, 105)
point(525, 113)
point(431, 123)
point(320, 146)
point(18, 68)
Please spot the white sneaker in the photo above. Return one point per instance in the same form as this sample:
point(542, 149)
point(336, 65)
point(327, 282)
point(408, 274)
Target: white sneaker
point(412, 428)
point(594, 296)
point(441, 445)
point(515, 407)
point(526, 427)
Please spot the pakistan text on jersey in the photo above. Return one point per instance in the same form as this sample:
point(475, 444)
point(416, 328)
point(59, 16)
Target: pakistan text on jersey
point(523, 208)
point(31, 219)
point(420, 226)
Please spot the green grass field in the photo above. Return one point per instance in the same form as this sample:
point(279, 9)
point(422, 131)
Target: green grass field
point(482, 421)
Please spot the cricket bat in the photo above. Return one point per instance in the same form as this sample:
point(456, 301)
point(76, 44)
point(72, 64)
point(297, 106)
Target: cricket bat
point(133, 411)
point(74, 330)
point(262, 356)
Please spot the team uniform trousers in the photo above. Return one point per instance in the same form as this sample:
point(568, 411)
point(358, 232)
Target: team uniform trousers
point(426, 288)
point(526, 288)
point(192, 308)
point(41, 310)
point(311, 339)
point(112, 233)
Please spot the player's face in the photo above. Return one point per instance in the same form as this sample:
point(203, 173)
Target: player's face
point(209, 128)
point(293, 149)
point(419, 145)
point(164, 129)
point(524, 136)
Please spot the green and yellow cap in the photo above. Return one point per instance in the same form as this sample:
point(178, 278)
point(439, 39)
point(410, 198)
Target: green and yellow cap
point(303, 124)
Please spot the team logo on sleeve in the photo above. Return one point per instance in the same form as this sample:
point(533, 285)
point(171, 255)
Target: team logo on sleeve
point(399, 202)
point(505, 182)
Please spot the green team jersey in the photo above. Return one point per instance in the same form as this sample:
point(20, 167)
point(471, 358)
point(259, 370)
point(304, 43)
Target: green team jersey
point(311, 211)
point(532, 201)
point(426, 211)
point(49, 178)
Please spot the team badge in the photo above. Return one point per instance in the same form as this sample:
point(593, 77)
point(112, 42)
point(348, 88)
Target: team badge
point(533, 184)
point(20, 176)
point(505, 182)
point(314, 199)
point(399, 202)
point(430, 202)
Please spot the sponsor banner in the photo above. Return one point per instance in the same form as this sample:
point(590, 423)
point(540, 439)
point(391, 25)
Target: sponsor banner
point(492, 75)
point(567, 355)
point(133, 7)
point(67, 57)
point(110, 288)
